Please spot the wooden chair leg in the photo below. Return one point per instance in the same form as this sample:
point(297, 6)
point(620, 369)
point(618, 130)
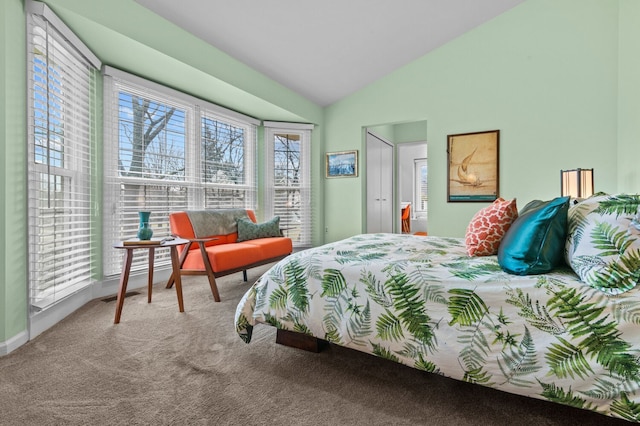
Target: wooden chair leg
point(210, 275)
point(175, 265)
point(183, 256)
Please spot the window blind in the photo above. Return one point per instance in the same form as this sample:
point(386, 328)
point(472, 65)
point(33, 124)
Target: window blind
point(61, 154)
point(288, 179)
point(420, 186)
point(227, 149)
point(166, 151)
point(145, 157)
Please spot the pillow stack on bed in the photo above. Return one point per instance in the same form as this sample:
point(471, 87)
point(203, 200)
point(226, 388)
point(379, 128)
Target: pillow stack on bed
point(598, 237)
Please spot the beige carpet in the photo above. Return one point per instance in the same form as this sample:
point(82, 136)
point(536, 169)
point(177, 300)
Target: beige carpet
point(161, 367)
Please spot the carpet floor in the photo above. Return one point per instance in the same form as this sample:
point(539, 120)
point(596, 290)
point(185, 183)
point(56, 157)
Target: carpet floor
point(163, 367)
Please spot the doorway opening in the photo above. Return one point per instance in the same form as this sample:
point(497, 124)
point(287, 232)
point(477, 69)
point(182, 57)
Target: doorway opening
point(413, 187)
point(409, 178)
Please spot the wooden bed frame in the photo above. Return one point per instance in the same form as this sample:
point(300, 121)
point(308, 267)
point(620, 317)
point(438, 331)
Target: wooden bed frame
point(300, 341)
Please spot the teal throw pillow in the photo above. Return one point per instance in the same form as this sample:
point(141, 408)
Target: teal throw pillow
point(248, 230)
point(534, 244)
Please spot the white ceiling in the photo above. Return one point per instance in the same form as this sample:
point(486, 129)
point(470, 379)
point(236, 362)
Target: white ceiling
point(327, 49)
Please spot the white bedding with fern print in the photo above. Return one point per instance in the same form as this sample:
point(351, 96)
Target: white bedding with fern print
point(423, 302)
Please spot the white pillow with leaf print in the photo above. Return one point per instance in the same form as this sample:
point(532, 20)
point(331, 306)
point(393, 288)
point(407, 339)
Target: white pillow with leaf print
point(602, 247)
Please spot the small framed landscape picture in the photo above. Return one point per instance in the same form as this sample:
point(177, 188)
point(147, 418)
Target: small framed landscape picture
point(342, 164)
point(473, 166)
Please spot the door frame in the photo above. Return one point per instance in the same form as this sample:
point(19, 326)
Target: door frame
point(399, 148)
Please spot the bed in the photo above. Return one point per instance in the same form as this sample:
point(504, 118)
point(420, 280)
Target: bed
point(426, 303)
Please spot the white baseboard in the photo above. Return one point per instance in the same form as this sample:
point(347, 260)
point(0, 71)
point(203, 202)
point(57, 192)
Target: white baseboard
point(14, 343)
point(48, 317)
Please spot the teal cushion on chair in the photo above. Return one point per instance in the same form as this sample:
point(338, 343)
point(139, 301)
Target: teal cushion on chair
point(534, 244)
point(247, 230)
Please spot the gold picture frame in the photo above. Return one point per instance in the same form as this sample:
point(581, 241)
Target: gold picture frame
point(342, 164)
point(472, 166)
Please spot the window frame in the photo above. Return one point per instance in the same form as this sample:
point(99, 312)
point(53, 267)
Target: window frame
point(302, 238)
point(62, 92)
point(192, 186)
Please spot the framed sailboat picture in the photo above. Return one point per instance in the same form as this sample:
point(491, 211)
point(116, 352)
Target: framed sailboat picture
point(472, 169)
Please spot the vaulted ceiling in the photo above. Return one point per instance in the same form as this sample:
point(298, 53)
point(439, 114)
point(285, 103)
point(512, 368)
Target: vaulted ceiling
point(326, 50)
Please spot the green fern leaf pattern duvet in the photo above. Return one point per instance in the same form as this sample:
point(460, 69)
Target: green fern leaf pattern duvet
point(423, 302)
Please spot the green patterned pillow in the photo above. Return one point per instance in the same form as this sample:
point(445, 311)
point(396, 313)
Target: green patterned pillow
point(248, 230)
point(603, 247)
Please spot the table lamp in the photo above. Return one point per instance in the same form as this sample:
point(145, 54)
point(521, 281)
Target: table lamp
point(576, 183)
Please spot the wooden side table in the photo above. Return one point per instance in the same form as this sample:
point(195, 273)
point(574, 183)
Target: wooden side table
point(151, 245)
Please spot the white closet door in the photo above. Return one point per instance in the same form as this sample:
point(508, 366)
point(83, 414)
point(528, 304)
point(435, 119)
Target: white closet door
point(379, 185)
point(386, 188)
point(374, 207)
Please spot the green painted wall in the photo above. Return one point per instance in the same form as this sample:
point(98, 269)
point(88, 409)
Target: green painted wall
point(415, 131)
point(629, 97)
point(545, 73)
point(13, 200)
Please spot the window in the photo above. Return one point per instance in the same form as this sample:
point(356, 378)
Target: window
point(61, 154)
point(288, 179)
point(151, 138)
point(420, 187)
point(167, 151)
point(227, 152)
